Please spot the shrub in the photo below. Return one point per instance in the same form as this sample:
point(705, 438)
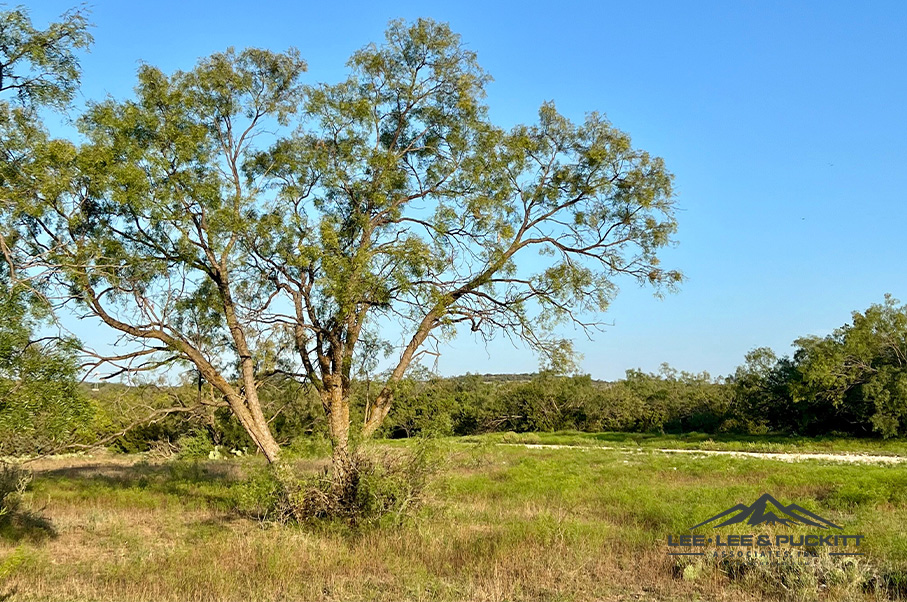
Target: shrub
point(195, 445)
point(383, 488)
point(796, 579)
point(263, 495)
point(13, 483)
point(17, 522)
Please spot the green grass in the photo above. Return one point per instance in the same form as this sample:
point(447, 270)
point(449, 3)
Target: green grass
point(500, 523)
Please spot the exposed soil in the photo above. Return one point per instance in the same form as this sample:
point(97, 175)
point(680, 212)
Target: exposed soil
point(783, 457)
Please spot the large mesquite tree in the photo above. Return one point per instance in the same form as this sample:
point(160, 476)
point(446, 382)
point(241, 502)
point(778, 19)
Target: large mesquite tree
point(187, 224)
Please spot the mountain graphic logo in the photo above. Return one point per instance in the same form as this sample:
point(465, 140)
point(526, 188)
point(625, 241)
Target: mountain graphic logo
point(768, 510)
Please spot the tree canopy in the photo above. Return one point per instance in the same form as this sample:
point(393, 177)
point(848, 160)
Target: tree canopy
point(236, 220)
point(860, 369)
point(40, 406)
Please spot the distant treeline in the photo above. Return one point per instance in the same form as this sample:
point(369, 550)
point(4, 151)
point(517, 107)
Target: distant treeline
point(851, 382)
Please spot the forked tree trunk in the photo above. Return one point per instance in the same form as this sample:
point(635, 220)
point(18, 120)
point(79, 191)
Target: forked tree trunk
point(267, 444)
point(254, 422)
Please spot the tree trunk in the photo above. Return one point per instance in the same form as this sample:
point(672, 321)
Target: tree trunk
point(256, 426)
point(341, 458)
point(341, 466)
point(267, 444)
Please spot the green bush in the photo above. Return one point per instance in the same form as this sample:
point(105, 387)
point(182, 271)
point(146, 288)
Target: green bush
point(263, 495)
point(383, 489)
point(195, 445)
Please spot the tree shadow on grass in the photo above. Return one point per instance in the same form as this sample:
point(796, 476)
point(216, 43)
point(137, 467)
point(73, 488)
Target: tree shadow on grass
point(208, 483)
point(18, 522)
point(203, 484)
point(212, 485)
point(130, 475)
point(26, 525)
point(226, 489)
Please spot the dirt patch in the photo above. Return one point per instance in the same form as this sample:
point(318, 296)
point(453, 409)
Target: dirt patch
point(783, 457)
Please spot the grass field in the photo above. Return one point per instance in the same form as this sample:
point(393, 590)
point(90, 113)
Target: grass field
point(499, 523)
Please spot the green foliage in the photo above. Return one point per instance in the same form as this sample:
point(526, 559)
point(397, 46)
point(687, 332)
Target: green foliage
point(669, 401)
point(388, 195)
point(135, 419)
point(846, 383)
point(17, 520)
point(853, 380)
point(195, 445)
point(382, 489)
point(859, 372)
point(426, 408)
point(308, 446)
point(40, 66)
point(547, 403)
point(263, 495)
point(41, 406)
point(792, 580)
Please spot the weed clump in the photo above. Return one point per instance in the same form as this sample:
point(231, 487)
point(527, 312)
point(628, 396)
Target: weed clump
point(380, 489)
point(16, 521)
point(13, 483)
point(798, 579)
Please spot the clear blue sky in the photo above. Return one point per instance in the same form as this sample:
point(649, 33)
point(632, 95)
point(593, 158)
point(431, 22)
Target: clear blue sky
point(784, 123)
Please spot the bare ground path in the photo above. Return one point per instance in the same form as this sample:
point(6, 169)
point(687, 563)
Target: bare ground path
point(852, 458)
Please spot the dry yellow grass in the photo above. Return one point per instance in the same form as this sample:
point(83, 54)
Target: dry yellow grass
point(499, 524)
